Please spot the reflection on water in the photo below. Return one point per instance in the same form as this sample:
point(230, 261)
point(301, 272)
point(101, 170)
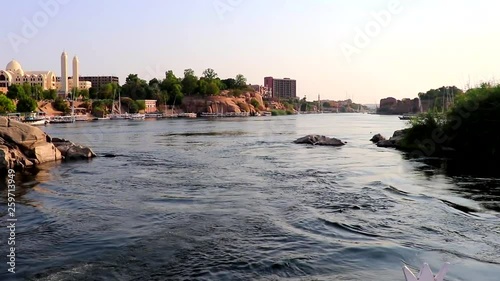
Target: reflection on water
point(235, 199)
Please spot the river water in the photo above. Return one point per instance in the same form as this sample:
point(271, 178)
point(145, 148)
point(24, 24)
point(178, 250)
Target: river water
point(235, 199)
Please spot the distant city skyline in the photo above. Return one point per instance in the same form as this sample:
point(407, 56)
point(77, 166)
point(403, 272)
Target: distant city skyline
point(363, 50)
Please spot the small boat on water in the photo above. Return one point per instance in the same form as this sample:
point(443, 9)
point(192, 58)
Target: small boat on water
point(137, 116)
point(82, 118)
point(119, 116)
point(36, 119)
point(407, 116)
point(61, 119)
point(153, 115)
point(187, 115)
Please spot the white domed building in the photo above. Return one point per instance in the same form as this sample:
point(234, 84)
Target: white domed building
point(14, 74)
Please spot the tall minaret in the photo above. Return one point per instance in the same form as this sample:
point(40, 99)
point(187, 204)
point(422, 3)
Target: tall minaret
point(64, 73)
point(76, 74)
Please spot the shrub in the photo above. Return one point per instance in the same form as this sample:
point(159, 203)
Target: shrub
point(469, 127)
point(61, 105)
point(278, 112)
point(6, 105)
point(254, 102)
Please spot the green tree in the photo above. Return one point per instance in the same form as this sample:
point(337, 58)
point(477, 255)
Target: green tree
point(107, 91)
point(27, 89)
point(209, 74)
point(236, 92)
point(189, 82)
point(202, 87)
point(212, 89)
point(176, 95)
point(84, 94)
point(61, 105)
point(255, 103)
point(93, 93)
point(135, 88)
point(6, 105)
point(240, 81)
point(229, 83)
point(141, 104)
point(15, 92)
point(327, 104)
point(37, 92)
point(170, 86)
point(435, 97)
point(26, 104)
point(133, 107)
point(49, 94)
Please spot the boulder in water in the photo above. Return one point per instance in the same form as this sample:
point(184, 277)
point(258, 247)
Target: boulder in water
point(376, 138)
point(319, 140)
point(71, 151)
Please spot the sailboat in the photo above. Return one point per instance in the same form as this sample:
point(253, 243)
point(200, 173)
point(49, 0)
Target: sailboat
point(119, 115)
point(66, 118)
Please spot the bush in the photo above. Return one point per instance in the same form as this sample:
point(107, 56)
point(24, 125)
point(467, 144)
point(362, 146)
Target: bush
point(6, 105)
point(469, 127)
point(141, 104)
point(26, 104)
point(278, 112)
point(61, 105)
point(236, 93)
point(255, 103)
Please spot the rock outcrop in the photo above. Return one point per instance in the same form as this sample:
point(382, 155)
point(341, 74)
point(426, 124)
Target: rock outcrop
point(319, 140)
point(223, 103)
point(376, 138)
point(71, 151)
point(23, 145)
point(394, 141)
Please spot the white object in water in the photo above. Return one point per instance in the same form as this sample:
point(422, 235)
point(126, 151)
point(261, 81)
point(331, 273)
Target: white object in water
point(425, 273)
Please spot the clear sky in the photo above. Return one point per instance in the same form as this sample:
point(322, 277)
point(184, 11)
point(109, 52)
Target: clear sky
point(422, 44)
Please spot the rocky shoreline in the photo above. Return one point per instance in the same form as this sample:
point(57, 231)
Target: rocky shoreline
point(23, 146)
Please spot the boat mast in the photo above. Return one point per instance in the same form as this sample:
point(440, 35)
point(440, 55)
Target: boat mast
point(119, 103)
point(73, 105)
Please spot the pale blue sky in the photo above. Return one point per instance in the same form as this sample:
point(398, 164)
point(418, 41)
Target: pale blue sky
point(425, 45)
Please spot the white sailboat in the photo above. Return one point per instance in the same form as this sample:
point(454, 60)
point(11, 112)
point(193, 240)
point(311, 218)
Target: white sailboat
point(119, 115)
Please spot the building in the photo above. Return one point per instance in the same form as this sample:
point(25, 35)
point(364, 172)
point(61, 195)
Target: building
point(64, 84)
point(15, 75)
point(99, 81)
point(150, 106)
point(281, 88)
point(82, 85)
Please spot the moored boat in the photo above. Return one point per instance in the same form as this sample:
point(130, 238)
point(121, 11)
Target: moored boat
point(61, 119)
point(187, 115)
point(137, 116)
point(36, 119)
point(153, 115)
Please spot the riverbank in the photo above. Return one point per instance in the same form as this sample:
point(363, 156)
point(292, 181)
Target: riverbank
point(466, 133)
point(236, 199)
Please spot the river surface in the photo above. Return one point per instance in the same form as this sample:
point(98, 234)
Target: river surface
point(235, 199)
